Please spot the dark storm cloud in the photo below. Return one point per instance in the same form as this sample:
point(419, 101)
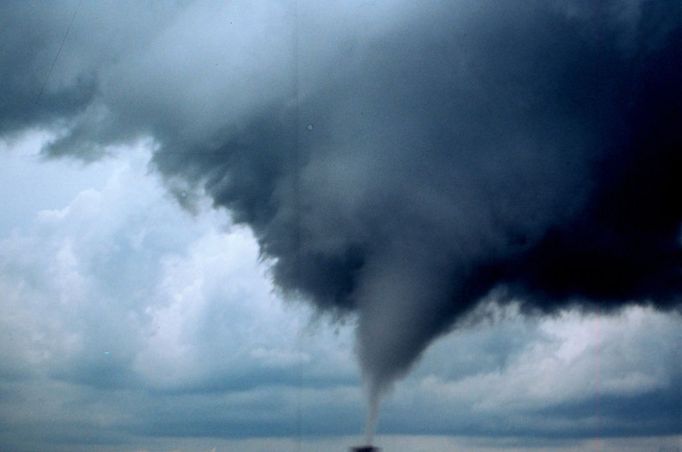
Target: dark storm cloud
point(397, 162)
point(53, 54)
point(22, 71)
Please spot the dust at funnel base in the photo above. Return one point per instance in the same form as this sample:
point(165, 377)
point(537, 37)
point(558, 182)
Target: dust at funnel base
point(365, 449)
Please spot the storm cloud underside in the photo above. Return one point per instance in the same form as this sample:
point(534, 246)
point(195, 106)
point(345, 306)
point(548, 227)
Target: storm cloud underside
point(394, 161)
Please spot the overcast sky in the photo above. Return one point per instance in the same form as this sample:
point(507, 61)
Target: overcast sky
point(225, 223)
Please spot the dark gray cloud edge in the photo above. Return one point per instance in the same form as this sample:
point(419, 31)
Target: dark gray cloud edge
point(401, 167)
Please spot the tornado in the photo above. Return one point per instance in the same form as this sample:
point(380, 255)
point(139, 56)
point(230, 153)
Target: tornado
point(398, 164)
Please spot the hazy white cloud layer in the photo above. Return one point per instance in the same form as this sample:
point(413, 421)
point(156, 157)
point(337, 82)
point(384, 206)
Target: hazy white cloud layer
point(129, 324)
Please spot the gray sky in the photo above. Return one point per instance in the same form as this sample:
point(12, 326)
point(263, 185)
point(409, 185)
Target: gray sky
point(234, 221)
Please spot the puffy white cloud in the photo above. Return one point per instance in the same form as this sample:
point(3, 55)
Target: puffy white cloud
point(574, 357)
